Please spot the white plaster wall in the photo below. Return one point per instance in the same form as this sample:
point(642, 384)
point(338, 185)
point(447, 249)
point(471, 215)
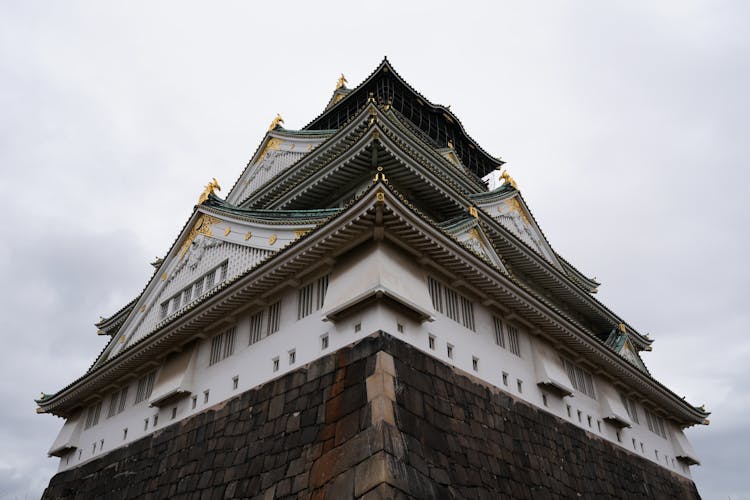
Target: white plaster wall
point(253, 365)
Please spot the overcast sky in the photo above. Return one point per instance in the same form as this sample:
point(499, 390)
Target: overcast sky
point(625, 125)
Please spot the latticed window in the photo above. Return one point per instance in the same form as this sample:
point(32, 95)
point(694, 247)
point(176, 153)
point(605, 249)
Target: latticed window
point(194, 290)
point(322, 289)
point(305, 301)
point(631, 408)
point(513, 342)
point(222, 346)
point(449, 302)
point(499, 333)
point(117, 402)
point(580, 379)
point(655, 424)
point(274, 318)
point(92, 415)
point(256, 327)
point(145, 386)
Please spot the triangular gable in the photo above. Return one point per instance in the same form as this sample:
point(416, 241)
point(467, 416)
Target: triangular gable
point(279, 150)
point(511, 211)
point(471, 234)
point(620, 342)
point(213, 248)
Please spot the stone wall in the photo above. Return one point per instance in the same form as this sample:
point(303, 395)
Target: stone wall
point(376, 420)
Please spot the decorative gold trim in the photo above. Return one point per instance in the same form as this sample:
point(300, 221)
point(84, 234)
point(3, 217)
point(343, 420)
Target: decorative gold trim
point(507, 179)
point(248, 235)
point(122, 339)
point(272, 239)
point(275, 123)
point(380, 196)
point(274, 144)
point(341, 83)
point(202, 226)
point(309, 147)
point(143, 308)
point(299, 233)
point(473, 212)
point(164, 277)
point(209, 189)
point(227, 231)
point(622, 327)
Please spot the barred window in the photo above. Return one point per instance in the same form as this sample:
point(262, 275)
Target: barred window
point(515, 346)
point(223, 270)
point(145, 386)
point(499, 334)
point(194, 290)
point(117, 402)
point(92, 415)
point(580, 379)
point(222, 346)
point(631, 408)
point(274, 318)
point(655, 424)
point(467, 313)
point(454, 305)
point(256, 327)
point(305, 301)
point(322, 289)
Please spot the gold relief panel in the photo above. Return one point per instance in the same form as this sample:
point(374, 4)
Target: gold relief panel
point(227, 231)
point(274, 144)
point(202, 226)
point(272, 239)
point(248, 235)
point(513, 205)
point(299, 233)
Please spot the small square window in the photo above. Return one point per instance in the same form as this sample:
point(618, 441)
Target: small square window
point(205, 396)
point(399, 328)
point(544, 400)
point(275, 364)
point(431, 342)
point(235, 382)
point(324, 341)
point(519, 384)
point(292, 356)
point(449, 349)
point(357, 327)
point(174, 412)
point(124, 433)
point(475, 363)
point(194, 402)
point(505, 379)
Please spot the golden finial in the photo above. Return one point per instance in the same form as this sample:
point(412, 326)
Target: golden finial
point(275, 123)
point(702, 408)
point(341, 83)
point(505, 176)
point(42, 396)
point(622, 327)
point(214, 184)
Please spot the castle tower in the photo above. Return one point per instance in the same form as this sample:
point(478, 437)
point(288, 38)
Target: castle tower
point(361, 317)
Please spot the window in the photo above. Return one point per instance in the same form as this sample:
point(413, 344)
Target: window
point(431, 342)
point(499, 334)
point(145, 386)
point(205, 396)
point(292, 356)
point(235, 382)
point(634, 446)
point(544, 400)
point(324, 341)
point(519, 384)
point(92, 415)
point(579, 415)
point(631, 408)
point(312, 295)
point(505, 379)
point(475, 363)
point(194, 402)
point(357, 327)
point(467, 314)
point(399, 328)
point(156, 420)
point(454, 305)
point(655, 424)
point(222, 346)
point(599, 425)
point(305, 301)
point(114, 401)
point(124, 433)
point(275, 362)
point(588, 420)
point(580, 379)
point(256, 327)
point(194, 290)
point(145, 424)
point(449, 349)
point(515, 346)
point(274, 317)
point(567, 407)
point(174, 412)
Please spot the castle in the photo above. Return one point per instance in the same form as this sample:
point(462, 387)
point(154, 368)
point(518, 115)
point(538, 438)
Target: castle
point(361, 316)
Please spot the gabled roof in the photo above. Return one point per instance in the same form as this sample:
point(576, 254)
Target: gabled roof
point(435, 122)
point(380, 204)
